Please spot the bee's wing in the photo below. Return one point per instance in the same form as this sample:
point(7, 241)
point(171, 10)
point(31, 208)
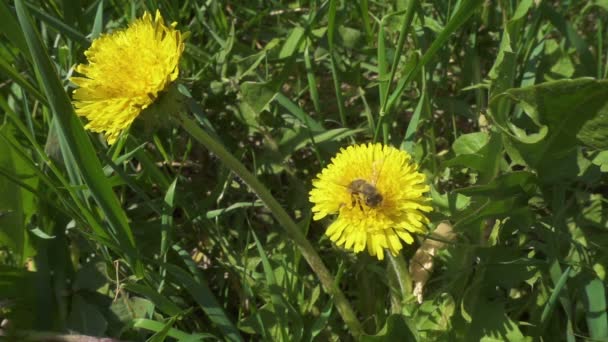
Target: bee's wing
point(377, 165)
point(345, 186)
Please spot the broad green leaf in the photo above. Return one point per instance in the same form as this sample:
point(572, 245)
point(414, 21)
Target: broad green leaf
point(292, 43)
point(498, 261)
point(509, 184)
point(86, 318)
point(350, 37)
point(453, 201)
point(491, 323)
point(434, 315)
point(129, 309)
point(479, 151)
point(484, 207)
point(90, 277)
point(601, 160)
point(258, 95)
point(395, 329)
point(561, 115)
point(595, 309)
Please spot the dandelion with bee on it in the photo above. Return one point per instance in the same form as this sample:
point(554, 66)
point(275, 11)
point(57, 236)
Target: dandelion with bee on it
point(378, 196)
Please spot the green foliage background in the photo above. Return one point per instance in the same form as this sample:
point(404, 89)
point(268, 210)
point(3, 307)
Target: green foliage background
point(504, 104)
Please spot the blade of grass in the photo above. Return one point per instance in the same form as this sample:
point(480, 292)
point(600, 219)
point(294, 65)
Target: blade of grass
point(163, 303)
point(555, 295)
point(82, 208)
point(78, 142)
point(383, 83)
point(198, 288)
point(131, 183)
point(162, 333)
point(407, 23)
point(464, 12)
point(276, 300)
point(60, 26)
point(422, 106)
point(153, 171)
point(405, 28)
point(15, 201)
point(167, 227)
point(331, 27)
point(286, 103)
point(10, 27)
point(98, 21)
point(151, 325)
point(312, 82)
point(14, 75)
point(364, 10)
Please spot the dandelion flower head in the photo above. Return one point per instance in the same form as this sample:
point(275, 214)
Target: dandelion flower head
point(378, 196)
point(126, 71)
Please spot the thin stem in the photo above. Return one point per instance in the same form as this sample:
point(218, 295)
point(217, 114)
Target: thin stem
point(332, 58)
point(308, 251)
point(402, 274)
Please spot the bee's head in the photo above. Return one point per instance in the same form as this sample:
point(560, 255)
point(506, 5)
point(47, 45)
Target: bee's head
point(373, 200)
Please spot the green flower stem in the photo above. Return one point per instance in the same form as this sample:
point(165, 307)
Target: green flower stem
point(402, 274)
point(306, 248)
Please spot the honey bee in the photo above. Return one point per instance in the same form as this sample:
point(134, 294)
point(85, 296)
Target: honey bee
point(361, 189)
point(366, 192)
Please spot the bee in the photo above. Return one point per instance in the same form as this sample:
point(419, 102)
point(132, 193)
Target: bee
point(361, 189)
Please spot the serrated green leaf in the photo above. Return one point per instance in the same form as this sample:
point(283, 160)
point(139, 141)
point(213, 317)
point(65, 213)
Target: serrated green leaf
point(562, 115)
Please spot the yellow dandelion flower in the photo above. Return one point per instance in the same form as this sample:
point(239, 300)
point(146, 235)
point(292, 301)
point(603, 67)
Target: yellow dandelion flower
point(126, 71)
point(378, 195)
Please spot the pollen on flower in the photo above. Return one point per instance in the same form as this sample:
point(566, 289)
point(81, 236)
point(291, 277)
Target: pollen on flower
point(125, 73)
point(378, 196)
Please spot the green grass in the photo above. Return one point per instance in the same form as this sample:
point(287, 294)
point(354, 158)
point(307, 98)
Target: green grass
point(202, 230)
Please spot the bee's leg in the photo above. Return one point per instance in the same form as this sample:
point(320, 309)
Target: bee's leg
point(359, 202)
